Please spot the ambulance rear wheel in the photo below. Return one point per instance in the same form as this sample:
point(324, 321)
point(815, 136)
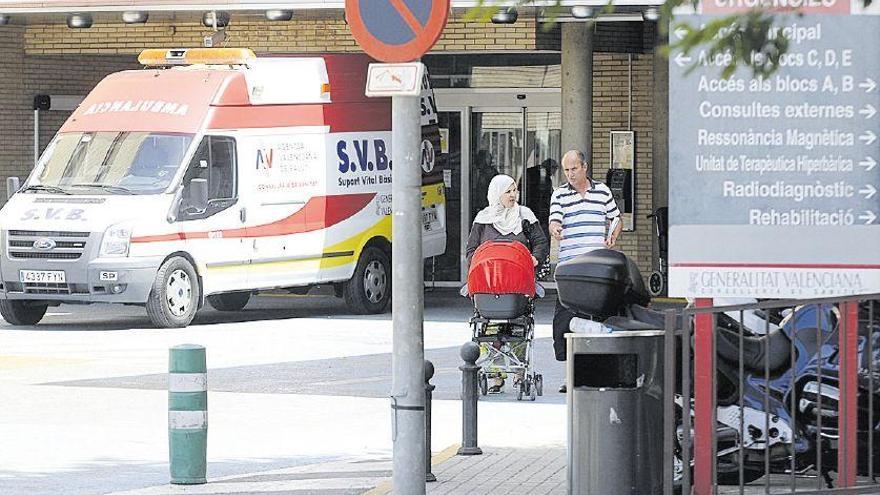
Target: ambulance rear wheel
point(174, 297)
point(22, 313)
point(231, 301)
point(369, 289)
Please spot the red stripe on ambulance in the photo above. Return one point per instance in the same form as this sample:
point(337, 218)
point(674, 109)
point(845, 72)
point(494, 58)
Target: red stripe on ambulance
point(318, 213)
point(341, 117)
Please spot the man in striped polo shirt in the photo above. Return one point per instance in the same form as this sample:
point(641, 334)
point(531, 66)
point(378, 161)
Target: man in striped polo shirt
point(579, 214)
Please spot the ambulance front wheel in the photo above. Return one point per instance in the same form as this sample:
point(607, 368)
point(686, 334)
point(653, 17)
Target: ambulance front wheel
point(21, 313)
point(369, 289)
point(174, 297)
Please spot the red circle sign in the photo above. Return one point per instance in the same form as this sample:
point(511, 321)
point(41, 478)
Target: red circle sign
point(396, 30)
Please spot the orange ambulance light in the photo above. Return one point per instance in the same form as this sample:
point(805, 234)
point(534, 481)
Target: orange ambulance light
point(193, 56)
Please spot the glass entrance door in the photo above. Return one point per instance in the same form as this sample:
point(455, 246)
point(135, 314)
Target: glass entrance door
point(478, 144)
point(496, 148)
point(447, 267)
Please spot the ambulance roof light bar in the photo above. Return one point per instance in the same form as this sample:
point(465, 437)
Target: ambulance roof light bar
point(194, 56)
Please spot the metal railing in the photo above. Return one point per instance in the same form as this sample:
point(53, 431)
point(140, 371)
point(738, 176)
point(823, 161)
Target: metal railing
point(773, 397)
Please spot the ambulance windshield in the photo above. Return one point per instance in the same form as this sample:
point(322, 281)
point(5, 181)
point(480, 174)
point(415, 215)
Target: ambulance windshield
point(111, 162)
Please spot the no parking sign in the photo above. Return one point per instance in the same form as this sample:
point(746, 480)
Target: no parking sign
point(396, 30)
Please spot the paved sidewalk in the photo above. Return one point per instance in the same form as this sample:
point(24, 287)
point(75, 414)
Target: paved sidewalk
point(502, 471)
point(353, 477)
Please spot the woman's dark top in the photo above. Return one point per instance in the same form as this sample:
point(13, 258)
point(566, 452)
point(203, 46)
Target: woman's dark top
point(532, 237)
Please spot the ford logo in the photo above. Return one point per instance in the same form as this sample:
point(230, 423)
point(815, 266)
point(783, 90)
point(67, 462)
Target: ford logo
point(44, 244)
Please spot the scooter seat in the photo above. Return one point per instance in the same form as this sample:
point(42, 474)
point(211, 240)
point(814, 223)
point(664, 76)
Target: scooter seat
point(754, 349)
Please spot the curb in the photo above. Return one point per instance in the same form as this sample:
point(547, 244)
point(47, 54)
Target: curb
point(384, 488)
point(669, 300)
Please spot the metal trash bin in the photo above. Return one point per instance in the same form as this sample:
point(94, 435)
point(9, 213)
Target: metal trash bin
point(615, 413)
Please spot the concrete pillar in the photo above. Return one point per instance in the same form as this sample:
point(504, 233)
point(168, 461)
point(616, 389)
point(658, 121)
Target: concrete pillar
point(660, 141)
point(660, 148)
point(577, 87)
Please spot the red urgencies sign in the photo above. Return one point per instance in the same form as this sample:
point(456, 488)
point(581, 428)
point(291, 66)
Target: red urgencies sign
point(801, 6)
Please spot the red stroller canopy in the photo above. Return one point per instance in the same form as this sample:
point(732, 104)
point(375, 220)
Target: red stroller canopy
point(502, 267)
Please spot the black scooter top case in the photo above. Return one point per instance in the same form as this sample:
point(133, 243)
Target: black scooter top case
point(600, 283)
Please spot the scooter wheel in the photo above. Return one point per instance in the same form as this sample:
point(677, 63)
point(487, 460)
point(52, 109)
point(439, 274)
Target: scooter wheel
point(656, 283)
point(539, 384)
point(484, 384)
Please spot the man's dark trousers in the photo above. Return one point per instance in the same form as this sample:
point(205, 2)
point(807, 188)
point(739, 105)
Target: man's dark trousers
point(561, 320)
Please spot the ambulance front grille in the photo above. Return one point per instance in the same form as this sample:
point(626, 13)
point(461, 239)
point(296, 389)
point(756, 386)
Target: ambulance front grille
point(64, 246)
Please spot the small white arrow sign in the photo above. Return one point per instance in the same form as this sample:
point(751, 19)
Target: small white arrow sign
point(869, 111)
point(869, 163)
point(868, 137)
point(868, 217)
point(869, 85)
point(680, 33)
point(868, 191)
point(681, 59)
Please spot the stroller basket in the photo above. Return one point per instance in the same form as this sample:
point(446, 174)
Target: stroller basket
point(501, 306)
point(501, 279)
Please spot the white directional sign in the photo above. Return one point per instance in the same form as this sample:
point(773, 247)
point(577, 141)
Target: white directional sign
point(395, 79)
point(773, 182)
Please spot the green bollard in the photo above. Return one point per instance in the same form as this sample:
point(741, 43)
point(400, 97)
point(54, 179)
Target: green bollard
point(188, 414)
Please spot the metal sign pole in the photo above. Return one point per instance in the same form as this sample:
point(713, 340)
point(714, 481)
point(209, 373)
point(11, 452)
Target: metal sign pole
point(408, 357)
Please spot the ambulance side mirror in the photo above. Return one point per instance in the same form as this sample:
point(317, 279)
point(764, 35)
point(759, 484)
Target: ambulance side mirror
point(198, 194)
point(13, 184)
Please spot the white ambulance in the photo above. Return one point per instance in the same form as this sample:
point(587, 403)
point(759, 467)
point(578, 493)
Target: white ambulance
point(207, 176)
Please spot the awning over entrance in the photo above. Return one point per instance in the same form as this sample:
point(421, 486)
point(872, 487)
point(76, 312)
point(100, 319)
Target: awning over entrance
point(65, 6)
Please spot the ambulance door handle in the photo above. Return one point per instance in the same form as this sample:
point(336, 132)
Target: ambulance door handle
point(242, 215)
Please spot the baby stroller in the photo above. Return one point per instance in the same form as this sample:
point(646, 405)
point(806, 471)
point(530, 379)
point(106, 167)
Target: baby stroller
point(502, 286)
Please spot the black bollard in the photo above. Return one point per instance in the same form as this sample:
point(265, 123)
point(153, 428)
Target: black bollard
point(429, 373)
point(470, 352)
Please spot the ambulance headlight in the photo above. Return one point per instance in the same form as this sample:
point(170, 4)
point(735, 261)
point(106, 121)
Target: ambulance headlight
point(116, 241)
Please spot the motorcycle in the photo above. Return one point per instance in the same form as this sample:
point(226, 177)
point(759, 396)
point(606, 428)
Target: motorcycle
point(801, 362)
point(792, 411)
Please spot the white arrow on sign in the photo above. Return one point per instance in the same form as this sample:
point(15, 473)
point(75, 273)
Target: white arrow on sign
point(869, 85)
point(869, 111)
point(868, 191)
point(680, 33)
point(868, 137)
point(681, 59)
point(869, 163)
point(868, 217)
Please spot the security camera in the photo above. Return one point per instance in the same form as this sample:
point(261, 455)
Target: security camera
point(215, 39)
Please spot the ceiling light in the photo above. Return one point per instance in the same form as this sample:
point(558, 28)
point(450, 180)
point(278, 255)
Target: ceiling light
point(135, 17)
point(4, 19)
point(652, 14)
point(210, 18)
point(581, 12)
point(79, 21)
point(279, 15)
point(505, 16)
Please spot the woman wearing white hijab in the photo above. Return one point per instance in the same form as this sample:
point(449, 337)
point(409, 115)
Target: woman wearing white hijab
point(504, 218)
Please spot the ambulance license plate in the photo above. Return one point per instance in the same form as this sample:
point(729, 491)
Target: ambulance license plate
point(41, 277)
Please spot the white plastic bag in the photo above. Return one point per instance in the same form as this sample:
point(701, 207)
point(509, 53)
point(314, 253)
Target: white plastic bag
point(581, 325)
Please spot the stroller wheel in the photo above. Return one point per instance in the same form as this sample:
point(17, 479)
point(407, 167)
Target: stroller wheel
point(484, 384)
point(519, 391)
point(539, 384)
point(533, 392)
